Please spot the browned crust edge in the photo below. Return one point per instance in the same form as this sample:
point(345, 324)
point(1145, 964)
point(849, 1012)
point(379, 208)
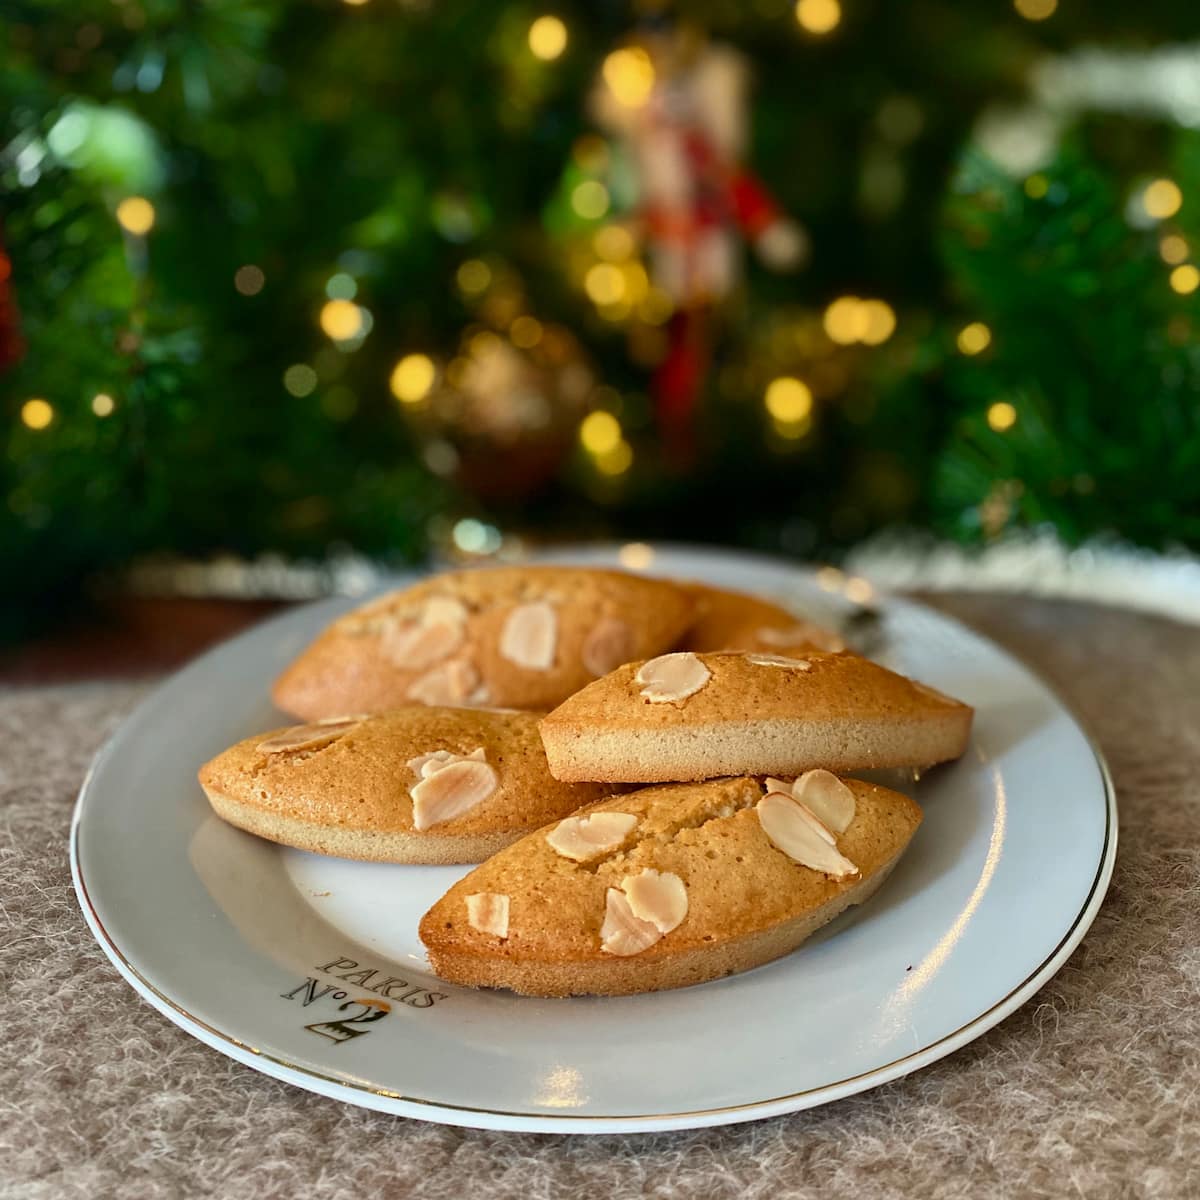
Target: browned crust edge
point(773, 747)
point(365, 845)
point(628, 976)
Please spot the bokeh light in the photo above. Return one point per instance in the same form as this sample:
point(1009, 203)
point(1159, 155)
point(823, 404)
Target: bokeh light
point(483, 344)
point(599, 433)
point(616, 461)
point(1185, 279)
point(136, 215)
point(590, 199)
point(474, 276)
point(249, 279)
point(1001, 416)
point(859, 590)
point(604, 284)
point(1173, 248)
point(525, 332)
point(1162, 199)
point(788, 400)
point(341, 320)
point(636, 556)
point(613, 243)
point(37, 413)
point(412, 377)
point(845, 321)
point(818, 16)
point(637, 282)
point(341, 286)
point(792, 430)
point(1036, 10)
point(547, 38)
point(878, 322)
point(103, 405)
point(974, 338)
point(629, 74)
point(300, 379)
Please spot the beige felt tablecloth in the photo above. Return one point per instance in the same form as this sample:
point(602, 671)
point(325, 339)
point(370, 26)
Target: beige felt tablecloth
point(1092, 1089)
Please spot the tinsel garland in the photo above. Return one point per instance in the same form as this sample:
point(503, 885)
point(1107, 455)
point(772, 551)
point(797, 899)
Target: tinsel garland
point(1036, 564)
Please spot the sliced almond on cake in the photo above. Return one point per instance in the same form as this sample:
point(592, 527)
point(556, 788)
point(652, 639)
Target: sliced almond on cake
point(608, 644)
point(711, 878)
point(671, 678)
point(450, 792)
point(583, 838)
point(699, 716)
point(825, 795)
point(450, 684)
point(530, 635)
point(513, 637)
point(420, 784)
point(307, 737)
point(488, 913)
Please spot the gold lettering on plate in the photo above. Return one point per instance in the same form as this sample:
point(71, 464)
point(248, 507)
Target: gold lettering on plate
point(350, 970)
point(360, 1011)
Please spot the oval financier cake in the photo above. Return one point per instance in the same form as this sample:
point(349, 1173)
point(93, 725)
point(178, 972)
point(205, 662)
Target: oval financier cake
point(726, 620)
point(513, 637)
point(417, 785)
point(669, 886)
point(700, 716)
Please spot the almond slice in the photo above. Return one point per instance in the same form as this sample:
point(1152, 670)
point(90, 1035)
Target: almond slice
point(658, 897)
point(819, 827)
point(796, 833)
point(436, 634)
point(827, 797)
point(622, 933)
point(452, 791)
point(444, 610)
point(778, 660)
point(609, 644)
point(798, 634)
point(488, 912)
point(584, 838)
point(672, 677)
point(308, 737)
point(781, 787)
point(433, 761)
point(449, 684)
point(530, 635)
point(429, 764)
point(416, 645)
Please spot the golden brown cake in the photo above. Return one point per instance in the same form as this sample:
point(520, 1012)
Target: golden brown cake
point(727, 620)
point(417, 785)
point(668, 886)
point(516, 637)
point(697, 716)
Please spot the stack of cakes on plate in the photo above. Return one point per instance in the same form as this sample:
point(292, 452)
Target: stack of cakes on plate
point(429, 740)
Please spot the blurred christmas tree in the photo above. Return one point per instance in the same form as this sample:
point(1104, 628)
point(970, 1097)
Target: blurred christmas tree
point(295, 276)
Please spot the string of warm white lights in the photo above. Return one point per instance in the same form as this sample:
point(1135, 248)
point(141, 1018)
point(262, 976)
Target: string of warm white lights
point(607, 266)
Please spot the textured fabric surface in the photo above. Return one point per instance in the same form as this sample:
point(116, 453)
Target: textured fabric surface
point(1092, 1089)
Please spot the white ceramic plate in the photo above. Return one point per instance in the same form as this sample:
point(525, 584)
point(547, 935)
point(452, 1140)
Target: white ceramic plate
point(310, 969)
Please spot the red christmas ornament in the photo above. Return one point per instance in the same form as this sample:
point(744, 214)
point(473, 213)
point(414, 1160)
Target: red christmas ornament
point(12, 346)
point(683, 115)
